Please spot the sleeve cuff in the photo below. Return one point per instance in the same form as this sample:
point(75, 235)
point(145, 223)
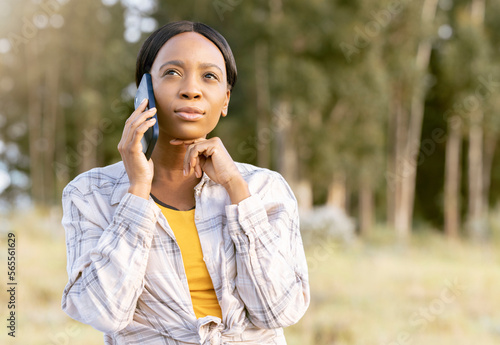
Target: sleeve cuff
point(248, 215)
point(138, 211)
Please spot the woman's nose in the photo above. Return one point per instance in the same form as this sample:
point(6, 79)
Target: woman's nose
point(190, 89)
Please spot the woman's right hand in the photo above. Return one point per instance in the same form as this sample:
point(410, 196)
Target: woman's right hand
point(139, 170)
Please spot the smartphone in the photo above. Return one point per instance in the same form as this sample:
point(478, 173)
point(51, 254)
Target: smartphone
point(145, 91)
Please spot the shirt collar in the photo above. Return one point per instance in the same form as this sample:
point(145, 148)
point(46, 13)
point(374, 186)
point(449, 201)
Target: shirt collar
point(204, 180)
point(122, 184)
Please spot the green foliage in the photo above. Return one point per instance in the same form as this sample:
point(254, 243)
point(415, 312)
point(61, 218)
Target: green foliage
point(336, 64)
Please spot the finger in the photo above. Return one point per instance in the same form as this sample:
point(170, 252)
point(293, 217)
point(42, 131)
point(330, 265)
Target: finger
point(142, 106)
point(176, 142)
point(199, 170)
point(138, 114)
point(139, 132)
point(187, 159)
point(191, 157)
point(194, 165)
point(210, 151)
point(137, 121)
point(195, 148)
point(139, 110)
point(140, 118)
point(186, 142)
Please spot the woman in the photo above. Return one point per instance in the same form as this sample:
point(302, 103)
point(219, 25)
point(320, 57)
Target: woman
point(188, 247)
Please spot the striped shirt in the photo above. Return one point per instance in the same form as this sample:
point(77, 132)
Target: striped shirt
point(126, 276)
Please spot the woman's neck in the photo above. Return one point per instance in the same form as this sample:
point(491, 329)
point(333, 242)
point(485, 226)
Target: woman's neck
point(169, 183)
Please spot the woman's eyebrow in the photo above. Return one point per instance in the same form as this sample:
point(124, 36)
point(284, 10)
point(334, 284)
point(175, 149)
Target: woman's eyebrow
point(181, 64)
point(208, 64)
point(172, 62)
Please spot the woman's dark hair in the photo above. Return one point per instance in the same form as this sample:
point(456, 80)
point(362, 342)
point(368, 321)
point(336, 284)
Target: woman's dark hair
point(153, 43)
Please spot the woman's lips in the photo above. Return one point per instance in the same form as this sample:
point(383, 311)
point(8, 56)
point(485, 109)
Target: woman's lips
point(189, 116)
point(189, 113)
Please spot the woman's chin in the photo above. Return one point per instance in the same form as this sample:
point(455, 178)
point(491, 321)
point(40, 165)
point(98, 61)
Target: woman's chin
point(182, 135)
point(187, 133)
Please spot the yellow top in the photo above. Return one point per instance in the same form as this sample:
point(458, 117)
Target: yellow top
point(200, 284)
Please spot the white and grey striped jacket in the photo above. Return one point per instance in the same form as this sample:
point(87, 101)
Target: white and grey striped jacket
point(126, 275)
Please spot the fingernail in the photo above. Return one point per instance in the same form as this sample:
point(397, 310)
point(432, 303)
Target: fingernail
point(144, 100)
point(185, 172)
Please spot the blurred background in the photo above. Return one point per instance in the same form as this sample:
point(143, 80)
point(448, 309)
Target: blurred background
point(382, 115)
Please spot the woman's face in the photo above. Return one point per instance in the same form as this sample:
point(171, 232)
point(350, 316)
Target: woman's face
point(190, 86)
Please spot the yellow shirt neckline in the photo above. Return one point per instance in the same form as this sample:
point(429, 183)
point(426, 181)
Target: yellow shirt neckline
point(201, 289)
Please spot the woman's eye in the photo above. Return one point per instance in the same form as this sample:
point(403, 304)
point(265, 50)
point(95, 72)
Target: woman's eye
point(171, 72)
point(211, 76)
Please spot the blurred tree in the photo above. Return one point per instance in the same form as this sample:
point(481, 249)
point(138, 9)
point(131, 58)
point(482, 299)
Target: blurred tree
point(71, 72)
point(468, 72)
point(481, 147)
point(454, 54)
point(408, 51)
point(330, 93)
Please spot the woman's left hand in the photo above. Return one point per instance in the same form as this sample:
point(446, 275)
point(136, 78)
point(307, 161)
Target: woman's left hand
point(210, 156)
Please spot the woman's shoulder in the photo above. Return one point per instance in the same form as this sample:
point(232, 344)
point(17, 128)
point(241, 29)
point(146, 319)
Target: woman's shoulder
point(249, 171)
point(266, 182)
point(257, 176)
point(100, 178)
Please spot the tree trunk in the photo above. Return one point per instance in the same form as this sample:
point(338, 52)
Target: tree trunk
point(34, 120)
point(50, 124)
point(476, 225)
point(452, 178)
point(61, 168)
point(366, 207)
point(394, 142)
point(74, 160)
point(89, 142)
point(285, 154)
point(401, 168)
point(476, 222)
point(304, 194)
point(337, 192)
point(263, 104)
point(490, 144)
point(404, 208)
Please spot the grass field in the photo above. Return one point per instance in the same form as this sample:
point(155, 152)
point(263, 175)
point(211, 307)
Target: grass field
point(430, 292)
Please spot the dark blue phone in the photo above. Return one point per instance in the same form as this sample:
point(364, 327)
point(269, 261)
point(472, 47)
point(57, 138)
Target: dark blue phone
point(145, 91)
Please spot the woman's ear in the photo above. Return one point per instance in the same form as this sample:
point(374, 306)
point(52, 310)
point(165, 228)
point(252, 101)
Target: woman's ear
point(225, 106)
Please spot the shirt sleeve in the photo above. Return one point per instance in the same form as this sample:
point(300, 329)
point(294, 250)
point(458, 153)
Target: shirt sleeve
point(272, 277)
point(106, 262)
